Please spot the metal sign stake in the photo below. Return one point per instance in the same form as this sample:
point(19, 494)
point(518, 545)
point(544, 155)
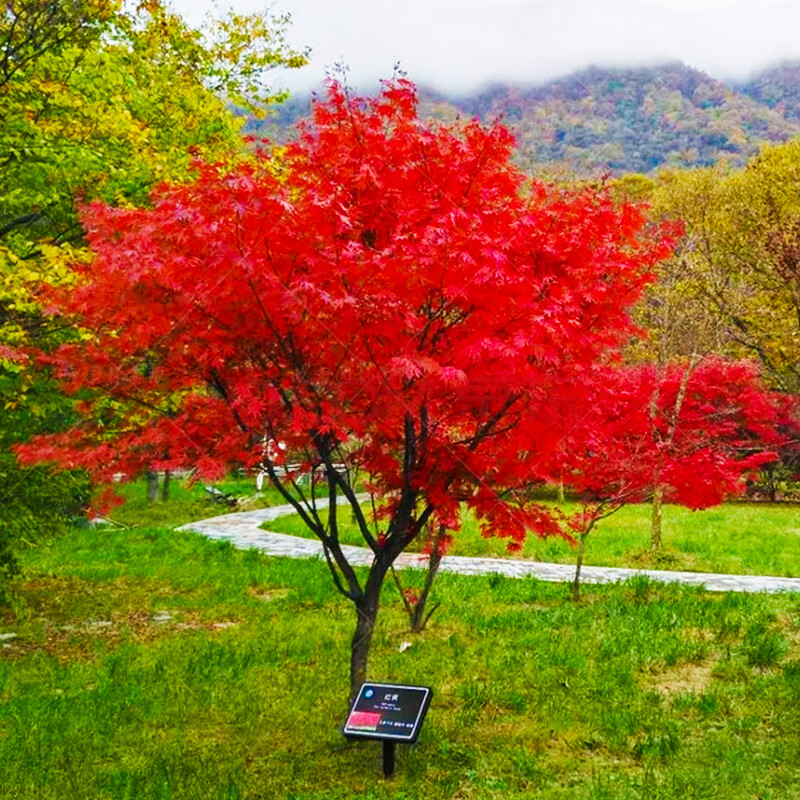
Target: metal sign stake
point(388, 758)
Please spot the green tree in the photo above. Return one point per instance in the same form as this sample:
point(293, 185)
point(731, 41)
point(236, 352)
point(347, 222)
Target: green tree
point(735, 278)
point(120, 101)
point(675, 312)
point(99, 100)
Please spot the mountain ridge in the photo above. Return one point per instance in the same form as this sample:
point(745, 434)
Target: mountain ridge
point(601, 120)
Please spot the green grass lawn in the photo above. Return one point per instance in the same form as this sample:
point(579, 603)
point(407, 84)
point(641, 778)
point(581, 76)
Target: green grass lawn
point(737, 538)
point(149, 664)
point(186, 503)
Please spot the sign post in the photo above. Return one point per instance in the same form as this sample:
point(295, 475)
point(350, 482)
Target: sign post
point(388, 758)
point(389, 713)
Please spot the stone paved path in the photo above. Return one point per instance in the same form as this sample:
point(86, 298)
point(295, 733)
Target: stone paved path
point(244, 531)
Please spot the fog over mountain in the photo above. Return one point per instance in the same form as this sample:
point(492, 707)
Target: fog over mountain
point(460, 46)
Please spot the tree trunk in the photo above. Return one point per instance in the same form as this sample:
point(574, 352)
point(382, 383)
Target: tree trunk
point(656, 518)
point(576, 584)
point(152, 486)
point(165, 487)
point(418, 618)
point(772, 482)
point(366, 614)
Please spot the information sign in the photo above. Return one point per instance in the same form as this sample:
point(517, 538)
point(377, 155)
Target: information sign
point(388, 712)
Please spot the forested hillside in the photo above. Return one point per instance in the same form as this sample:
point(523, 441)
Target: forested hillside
point(777, 88)
point(623, 120)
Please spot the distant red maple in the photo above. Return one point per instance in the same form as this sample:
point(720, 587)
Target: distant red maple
point(695, 431)
point(688, 433)
point(389, 294)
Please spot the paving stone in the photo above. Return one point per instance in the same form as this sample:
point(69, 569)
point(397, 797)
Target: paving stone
point(243, 529)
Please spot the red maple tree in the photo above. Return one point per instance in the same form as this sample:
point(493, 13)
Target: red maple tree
point(685, 433)
point(389, 299)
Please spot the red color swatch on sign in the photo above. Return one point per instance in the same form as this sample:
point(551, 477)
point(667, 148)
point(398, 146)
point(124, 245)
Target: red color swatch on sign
point(364, 719)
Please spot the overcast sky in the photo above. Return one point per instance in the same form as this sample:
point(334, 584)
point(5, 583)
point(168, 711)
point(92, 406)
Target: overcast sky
point(460, 45)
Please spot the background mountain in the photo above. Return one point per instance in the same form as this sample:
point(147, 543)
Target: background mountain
point(778, 88)
point(620, 120)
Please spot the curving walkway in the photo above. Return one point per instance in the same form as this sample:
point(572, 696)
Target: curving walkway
point(243, 530)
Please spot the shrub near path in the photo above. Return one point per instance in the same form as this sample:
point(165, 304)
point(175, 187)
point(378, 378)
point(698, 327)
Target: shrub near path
point(150, 663)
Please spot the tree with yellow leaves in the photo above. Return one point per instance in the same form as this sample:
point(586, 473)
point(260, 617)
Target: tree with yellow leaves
point(100, 99)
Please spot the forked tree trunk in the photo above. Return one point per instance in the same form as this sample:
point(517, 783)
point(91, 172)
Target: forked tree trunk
point(417, 617)
point(656, 519)
point(366, 604)
point(366, 614)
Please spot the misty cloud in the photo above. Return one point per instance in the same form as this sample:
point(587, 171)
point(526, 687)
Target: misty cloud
point(459, 45)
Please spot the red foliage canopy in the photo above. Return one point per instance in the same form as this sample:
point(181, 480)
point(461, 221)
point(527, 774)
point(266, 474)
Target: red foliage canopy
point(693, 431)
point(388, 293)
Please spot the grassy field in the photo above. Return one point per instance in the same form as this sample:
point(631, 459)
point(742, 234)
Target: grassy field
point(148, 663)
point(186, 502)
point(747, 539)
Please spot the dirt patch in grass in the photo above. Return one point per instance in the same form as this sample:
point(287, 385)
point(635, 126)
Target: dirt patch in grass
point(789, 625)
point(89, 638)
point(61, 600)
point(681, 679)
point(697, 635)
point(268, 595)
point(198, 625)
point(666, 559)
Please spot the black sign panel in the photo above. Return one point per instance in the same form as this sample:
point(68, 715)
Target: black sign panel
point(388, 712)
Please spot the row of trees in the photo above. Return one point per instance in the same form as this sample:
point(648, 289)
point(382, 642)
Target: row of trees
point(394, 296)
point(732, 284)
